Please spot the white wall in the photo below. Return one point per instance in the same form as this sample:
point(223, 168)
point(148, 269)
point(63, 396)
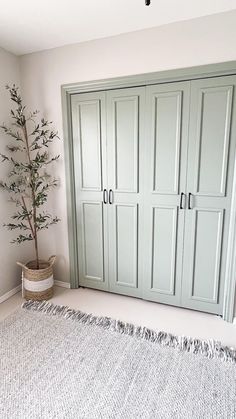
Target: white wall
point(9, 253)
point(190, 43)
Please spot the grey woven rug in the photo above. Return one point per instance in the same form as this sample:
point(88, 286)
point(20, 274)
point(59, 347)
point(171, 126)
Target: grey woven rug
point(60, 363)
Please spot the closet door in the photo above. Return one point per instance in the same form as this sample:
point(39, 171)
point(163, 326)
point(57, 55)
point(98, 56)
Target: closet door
point(125, 142)
point(165, 190)
point(89, 139)
point(210, 171)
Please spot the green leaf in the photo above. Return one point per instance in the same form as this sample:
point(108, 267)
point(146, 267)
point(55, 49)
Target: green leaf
point(13, 148)
point(14, 134)
point(21, 226)
point(21, 238)
point(4, 157)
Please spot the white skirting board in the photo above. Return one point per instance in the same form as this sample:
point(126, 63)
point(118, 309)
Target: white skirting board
point(62, 284)
point(9, 294)
point(15, 290)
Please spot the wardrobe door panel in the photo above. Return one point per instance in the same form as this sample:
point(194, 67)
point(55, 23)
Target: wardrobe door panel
point(212, 140)
point(126, 149)
point(126, 244)
point(165, 184)
point(206, 247)
point(89, 137)
point(92, 240)
point(167, 141)
point(164, 242)
point(126, 143)
point(212, 137)
point(89, 141)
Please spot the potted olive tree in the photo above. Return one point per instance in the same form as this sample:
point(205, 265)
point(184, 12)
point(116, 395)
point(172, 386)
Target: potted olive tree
point(28, 185)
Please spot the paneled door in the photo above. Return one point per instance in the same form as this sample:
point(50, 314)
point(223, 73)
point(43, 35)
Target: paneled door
point(209, 186)
point(89, 140)
point(126, 150)
point(153, 170)
point(165, 190)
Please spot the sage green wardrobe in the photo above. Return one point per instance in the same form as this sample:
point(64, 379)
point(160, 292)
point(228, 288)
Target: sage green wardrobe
point(154, 171)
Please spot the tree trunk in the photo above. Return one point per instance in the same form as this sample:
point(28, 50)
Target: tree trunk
point(36, 241)
point(33, 201)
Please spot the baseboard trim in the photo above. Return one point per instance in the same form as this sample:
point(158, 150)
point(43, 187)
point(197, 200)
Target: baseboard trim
point(15, 290)
point(62, 284)
point(10, 293)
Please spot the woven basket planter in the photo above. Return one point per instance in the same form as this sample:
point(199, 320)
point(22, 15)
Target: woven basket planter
point(37, 284)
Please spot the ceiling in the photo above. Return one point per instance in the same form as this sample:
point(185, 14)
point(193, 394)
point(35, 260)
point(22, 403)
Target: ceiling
point(27, 26)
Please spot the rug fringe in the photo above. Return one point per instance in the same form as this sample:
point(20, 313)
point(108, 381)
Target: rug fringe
point(209, 348)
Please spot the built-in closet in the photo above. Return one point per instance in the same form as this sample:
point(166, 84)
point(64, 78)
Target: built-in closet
point(154, 171)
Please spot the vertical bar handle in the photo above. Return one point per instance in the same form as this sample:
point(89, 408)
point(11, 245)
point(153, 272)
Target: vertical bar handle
point(189, 201)
point(105, 196)
point(181, 200)
point(110, 198)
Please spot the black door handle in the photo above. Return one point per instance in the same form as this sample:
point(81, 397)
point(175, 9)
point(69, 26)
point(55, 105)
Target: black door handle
point(181, 200)
point(105, 196)
point(189, 201)
point(110, 196)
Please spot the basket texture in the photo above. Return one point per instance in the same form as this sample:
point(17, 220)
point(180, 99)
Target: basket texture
point(38, 283)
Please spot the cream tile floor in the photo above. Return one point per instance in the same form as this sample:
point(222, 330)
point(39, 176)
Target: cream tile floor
point(156, 316)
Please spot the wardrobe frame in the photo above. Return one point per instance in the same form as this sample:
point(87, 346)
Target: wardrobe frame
point(168, 76)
